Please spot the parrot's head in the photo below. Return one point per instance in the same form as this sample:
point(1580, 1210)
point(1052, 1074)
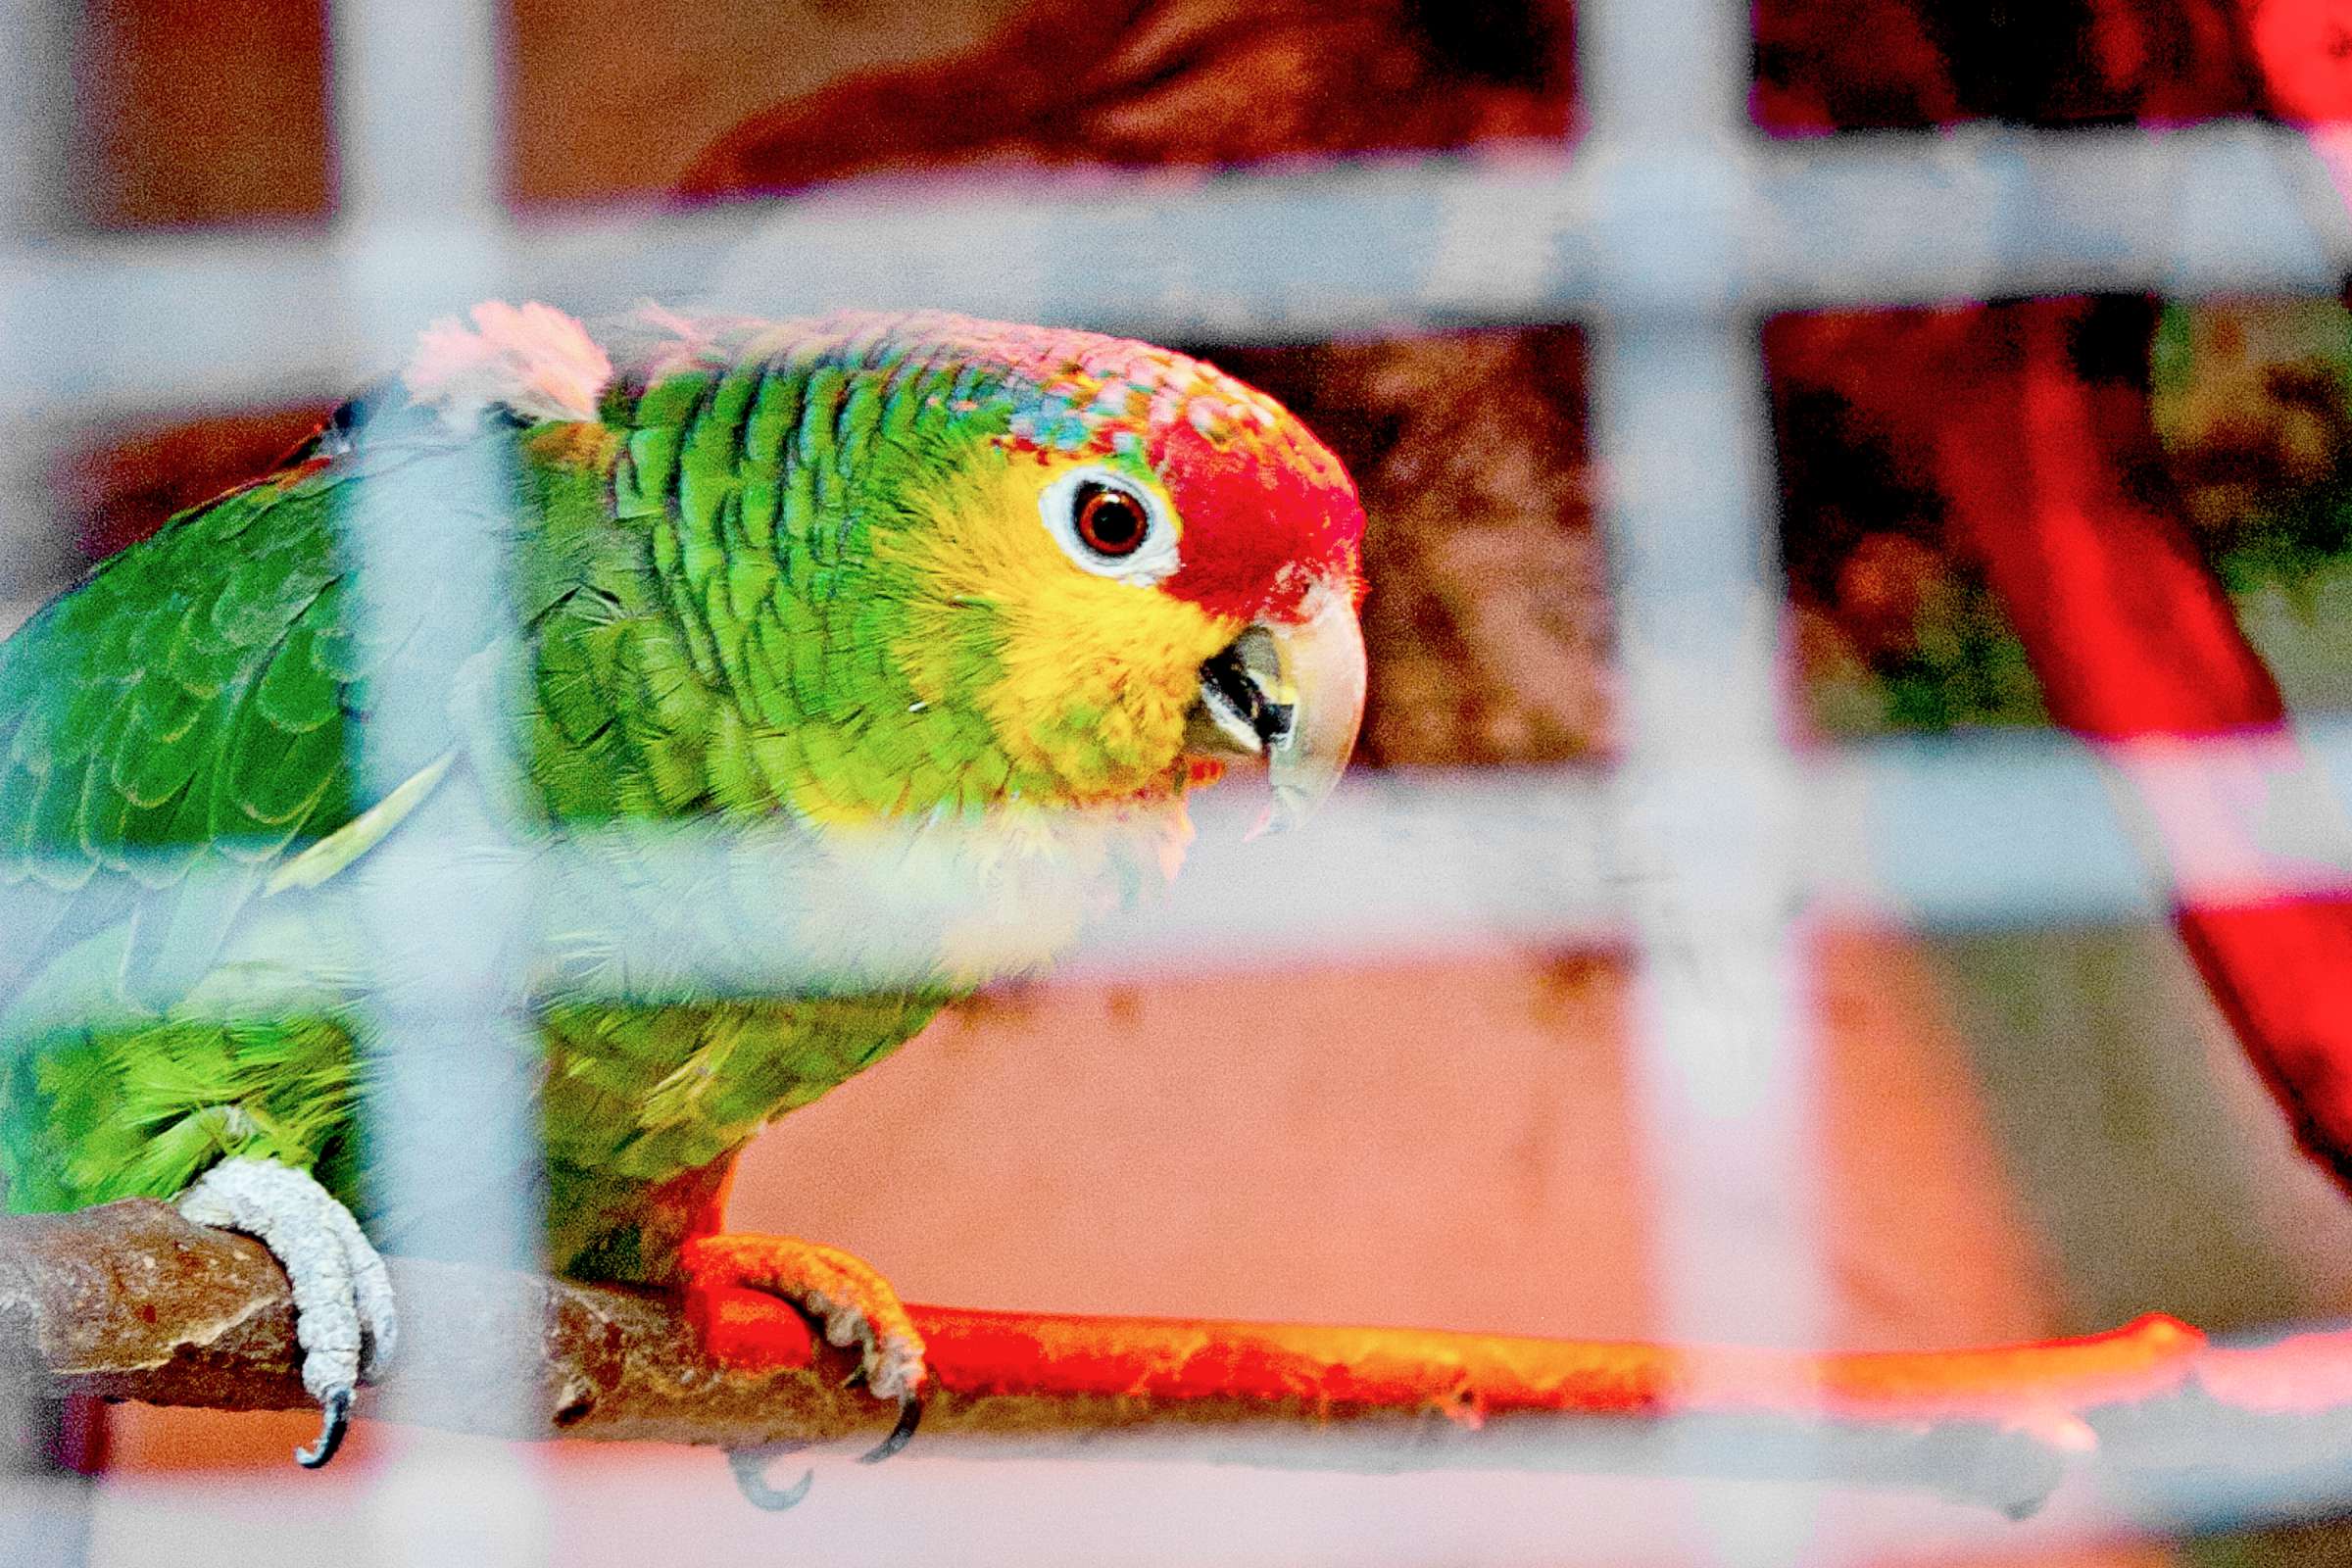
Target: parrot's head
point(1127, 562)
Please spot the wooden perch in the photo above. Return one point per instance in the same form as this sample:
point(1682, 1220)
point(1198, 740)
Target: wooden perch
point(130, 1302)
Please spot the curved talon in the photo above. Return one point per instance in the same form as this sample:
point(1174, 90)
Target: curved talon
point(910, 1416)
point(334, 1421)
point(346, 1320)
point(750, 1469)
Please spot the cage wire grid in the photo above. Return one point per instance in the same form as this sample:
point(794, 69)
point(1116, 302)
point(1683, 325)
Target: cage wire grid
point(1670, 228)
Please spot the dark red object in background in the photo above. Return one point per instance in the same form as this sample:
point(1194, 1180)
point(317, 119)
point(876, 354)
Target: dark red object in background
point(2081, 536)
point(2133, 639)
point(1891, 64)
point(1170, 82)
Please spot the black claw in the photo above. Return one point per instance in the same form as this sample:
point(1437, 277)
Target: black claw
point(334, 1421)
point(910, 1416)
point(750, 1467)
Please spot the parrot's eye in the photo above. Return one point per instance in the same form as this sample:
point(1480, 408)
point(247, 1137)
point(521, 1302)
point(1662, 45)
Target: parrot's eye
point(1111, 522)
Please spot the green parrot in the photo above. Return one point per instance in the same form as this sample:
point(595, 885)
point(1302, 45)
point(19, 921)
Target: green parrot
point(974, 601)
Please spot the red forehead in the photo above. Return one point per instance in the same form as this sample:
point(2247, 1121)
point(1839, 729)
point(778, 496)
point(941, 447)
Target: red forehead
point(1267, 512)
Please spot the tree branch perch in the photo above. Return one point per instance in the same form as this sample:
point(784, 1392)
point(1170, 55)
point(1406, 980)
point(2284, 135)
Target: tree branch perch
point(130, 1302)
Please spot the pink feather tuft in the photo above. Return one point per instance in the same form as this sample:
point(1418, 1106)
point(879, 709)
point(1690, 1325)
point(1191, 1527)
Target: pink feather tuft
point(535, 361)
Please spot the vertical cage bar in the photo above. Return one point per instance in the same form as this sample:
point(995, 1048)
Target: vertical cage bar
point(36, 108)
point(1656, 69)
point(417, 109)
point(1723, 1066)
point(45, 1505)
point(451, 1112)
point(1723, 1063)
point(37, 142)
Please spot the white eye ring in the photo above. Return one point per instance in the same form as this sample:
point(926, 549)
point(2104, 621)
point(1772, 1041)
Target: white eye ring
point(1060, 504)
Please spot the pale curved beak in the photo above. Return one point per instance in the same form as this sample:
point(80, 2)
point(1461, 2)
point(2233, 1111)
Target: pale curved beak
point(1294, 692)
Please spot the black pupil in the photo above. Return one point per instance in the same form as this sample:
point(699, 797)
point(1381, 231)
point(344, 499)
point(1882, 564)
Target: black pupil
point(1109, 522)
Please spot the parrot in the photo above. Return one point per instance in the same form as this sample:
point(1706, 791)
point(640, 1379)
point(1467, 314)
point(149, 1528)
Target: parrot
point(982, 600)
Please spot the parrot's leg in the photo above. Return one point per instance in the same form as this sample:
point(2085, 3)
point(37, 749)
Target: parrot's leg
point(344, 1315)
point(854, 1305)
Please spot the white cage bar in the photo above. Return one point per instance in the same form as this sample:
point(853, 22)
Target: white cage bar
point(1722, 1071)
point(418, 153)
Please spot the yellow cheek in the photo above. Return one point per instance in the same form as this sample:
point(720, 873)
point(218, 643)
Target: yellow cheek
point(1092, 676)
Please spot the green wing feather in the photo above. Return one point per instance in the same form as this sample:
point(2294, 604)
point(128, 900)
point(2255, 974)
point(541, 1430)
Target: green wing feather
point(178, 706)
point(184, 710)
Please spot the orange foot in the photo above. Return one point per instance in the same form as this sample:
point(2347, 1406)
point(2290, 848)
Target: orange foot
point(854, 1304)
point(734, 1285)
